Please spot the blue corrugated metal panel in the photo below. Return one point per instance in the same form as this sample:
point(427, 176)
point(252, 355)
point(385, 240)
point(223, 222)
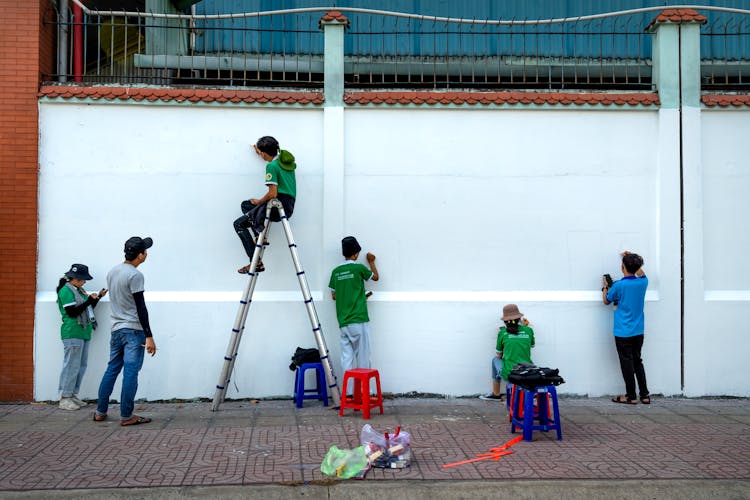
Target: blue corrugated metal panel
point(620, 37)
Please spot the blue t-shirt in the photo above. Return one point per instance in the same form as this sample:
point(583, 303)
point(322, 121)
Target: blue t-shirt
point(630, 294)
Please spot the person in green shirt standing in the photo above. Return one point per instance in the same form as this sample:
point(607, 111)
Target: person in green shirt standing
point(347, 286)
point(514, 343)
point(282, 185)
point(77, 311)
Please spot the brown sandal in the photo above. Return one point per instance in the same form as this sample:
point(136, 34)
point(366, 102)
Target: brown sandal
point(135, 420)
point(99, 418)
point(646, 400)
point(624, 400)
point(246, 269)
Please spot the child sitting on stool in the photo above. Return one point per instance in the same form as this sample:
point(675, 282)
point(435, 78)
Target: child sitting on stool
point(514, 343)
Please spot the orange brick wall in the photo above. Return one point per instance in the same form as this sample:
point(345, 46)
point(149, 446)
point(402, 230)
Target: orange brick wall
point(19, 131)
point(47, 39)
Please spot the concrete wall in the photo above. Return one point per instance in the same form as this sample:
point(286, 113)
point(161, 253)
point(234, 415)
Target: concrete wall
point(466, 208)
point(716, 269)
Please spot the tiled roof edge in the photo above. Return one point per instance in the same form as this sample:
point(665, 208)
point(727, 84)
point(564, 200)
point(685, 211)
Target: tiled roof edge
point(180, 95)
point(677, 16)
point(725, 100)
point(335, 17)
point(473, 98)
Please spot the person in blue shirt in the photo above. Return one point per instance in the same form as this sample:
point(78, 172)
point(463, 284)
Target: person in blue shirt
point(628, 296)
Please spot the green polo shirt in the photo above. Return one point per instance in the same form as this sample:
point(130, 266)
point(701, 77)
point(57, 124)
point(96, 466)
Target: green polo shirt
point(348, 281)
point(70, 328)
point(516, 348)
point(285, 180)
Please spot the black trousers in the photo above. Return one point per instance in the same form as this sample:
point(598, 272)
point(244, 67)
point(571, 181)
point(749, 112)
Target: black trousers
point(631, 364)
point(253, 218)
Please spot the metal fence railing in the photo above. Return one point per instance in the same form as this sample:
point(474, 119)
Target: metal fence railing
point(725, 54)
point(389, 50)
point(600, 53)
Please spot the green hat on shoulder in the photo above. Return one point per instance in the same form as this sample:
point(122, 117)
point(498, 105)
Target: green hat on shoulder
point(286, 160)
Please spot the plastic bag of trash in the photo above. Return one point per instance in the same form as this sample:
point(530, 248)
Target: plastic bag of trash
point(386, 450)
point(345, 464)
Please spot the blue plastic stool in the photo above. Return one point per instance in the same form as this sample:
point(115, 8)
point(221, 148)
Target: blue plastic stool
point(541, 395)
point(320, 391)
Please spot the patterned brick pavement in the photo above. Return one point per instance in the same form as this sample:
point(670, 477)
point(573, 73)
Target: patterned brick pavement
point(42, 447)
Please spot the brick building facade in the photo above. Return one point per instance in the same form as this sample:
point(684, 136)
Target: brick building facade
point(27, 49)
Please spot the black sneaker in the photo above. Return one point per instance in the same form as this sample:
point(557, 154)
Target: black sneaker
point(491, 397)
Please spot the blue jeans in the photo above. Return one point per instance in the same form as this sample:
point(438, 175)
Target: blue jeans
point(497, 369)
point(75, 361)
point(126, 354)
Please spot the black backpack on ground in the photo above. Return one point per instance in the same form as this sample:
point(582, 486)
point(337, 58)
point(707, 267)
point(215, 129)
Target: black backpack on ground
point(302, 356)
point(531, 376)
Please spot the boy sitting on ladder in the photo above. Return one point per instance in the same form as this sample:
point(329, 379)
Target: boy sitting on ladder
point(282, 184)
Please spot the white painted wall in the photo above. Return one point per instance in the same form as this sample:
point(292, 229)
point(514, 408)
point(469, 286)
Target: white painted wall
point(718, 276)
point(466, 209)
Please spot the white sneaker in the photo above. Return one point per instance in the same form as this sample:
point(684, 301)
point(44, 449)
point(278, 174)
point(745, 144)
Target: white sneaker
point(68, 404)
point(78, 401)
point(492, 397)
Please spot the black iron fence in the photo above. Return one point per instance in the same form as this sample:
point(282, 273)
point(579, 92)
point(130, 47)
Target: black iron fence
point(387, 50)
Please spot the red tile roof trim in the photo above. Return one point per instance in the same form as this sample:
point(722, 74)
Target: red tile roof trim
point(334, 17)
point(473, 98)
point(181, 95)
point(725, 101)
point(677, 16)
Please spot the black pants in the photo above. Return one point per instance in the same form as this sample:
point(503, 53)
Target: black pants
point(253, 218)
point(631, 364)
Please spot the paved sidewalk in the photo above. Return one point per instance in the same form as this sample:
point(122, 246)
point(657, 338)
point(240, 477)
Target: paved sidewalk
point(698, 445)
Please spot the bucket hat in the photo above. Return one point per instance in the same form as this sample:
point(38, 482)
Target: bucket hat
point(79, 272)
point(286, 160)
point(511, 312)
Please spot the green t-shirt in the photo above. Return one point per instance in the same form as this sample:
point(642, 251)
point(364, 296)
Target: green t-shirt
point(516, 348)
point(70, 328)
point(348, 281)
point(285, 180)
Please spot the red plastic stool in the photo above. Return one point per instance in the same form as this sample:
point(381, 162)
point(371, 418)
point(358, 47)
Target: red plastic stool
point(510, 395)
point(361, 399)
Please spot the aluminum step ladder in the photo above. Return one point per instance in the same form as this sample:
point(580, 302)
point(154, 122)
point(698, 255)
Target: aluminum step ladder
point(239, 324)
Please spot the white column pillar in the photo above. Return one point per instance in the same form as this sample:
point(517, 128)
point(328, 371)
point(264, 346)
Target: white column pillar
point(676, 73)
point(333, 24)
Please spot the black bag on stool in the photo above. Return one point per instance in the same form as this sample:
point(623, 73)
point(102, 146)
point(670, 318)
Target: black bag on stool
point(531, 376)
point(302, 356)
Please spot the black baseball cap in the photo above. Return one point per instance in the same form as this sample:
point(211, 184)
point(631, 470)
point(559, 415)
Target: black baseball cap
point(136, 245)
